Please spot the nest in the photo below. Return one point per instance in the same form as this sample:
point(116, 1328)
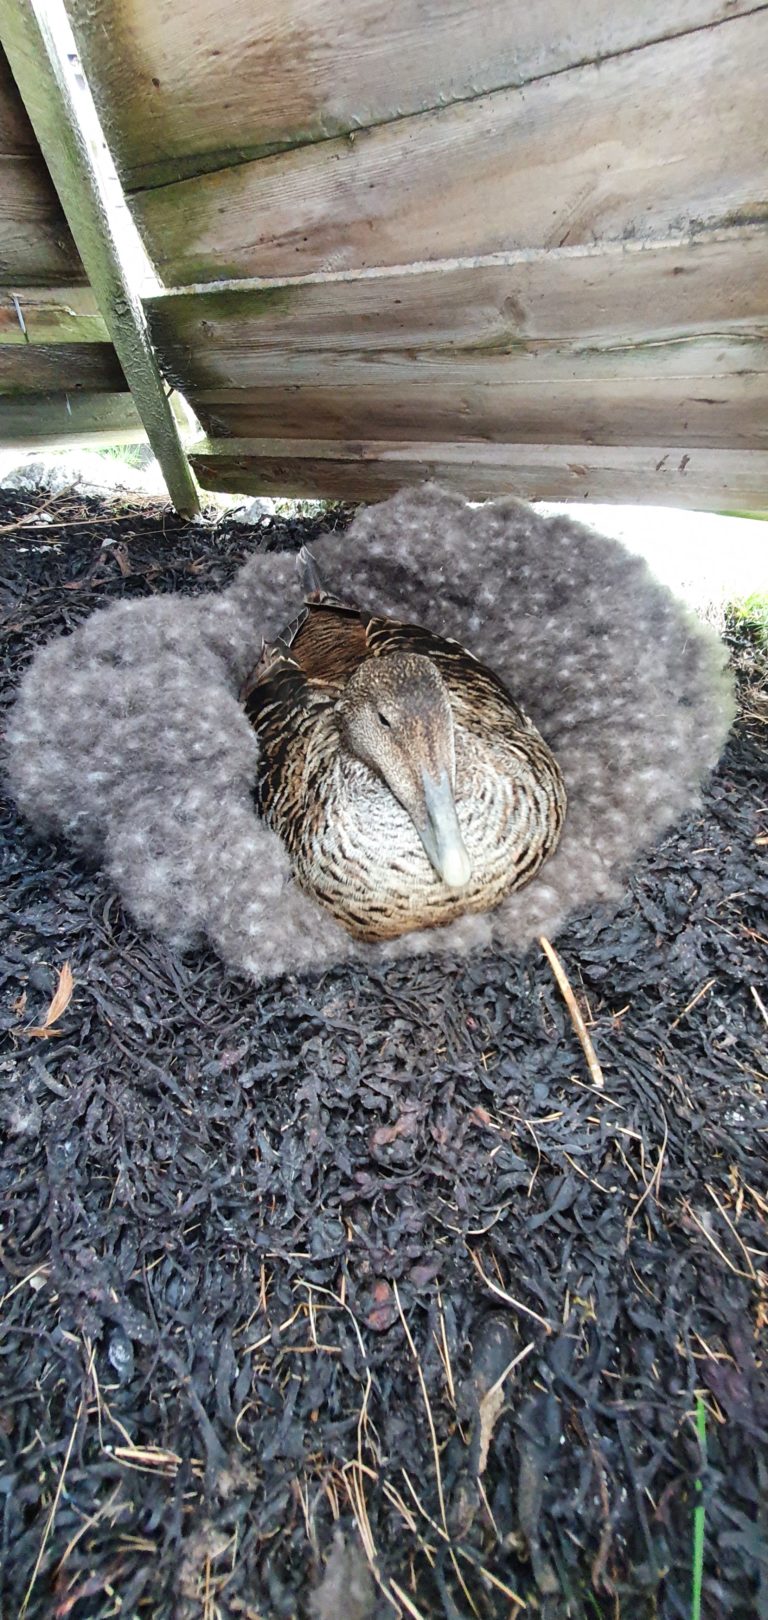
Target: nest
point(128, 737)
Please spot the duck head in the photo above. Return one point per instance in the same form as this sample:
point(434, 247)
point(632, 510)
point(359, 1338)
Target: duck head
point(395, 716)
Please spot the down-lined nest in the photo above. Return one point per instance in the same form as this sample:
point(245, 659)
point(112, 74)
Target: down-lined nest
point(128, 737)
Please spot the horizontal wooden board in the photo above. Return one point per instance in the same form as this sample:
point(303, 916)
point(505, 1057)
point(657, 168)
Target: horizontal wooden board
point(45, 369)
point(558, 349)
point(50, 315)
point(35, 242)
point(660, 475)
point(737, 353)
point(189, 87)
point(711, 283)
point(712, 413)
point(671, 138)
point(41, 419)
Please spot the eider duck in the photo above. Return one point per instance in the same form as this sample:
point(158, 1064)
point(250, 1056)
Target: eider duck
point(403, 779)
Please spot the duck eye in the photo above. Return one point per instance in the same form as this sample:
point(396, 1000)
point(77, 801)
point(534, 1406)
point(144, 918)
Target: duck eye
point(385, 721)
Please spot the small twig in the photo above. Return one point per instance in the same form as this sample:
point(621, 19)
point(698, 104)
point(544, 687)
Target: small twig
point(575, 1012)
point(515, 1362)
point(655, 1180)
point(435, 1449)
point(691, 1004)
point(407, 1602)
point(444, 1352)
point(716, 1246)
point(18, 523)
point(501, 1293)
point(759, 1003)
point(462, 1551)
point(53, 1512)
point(729, 1223)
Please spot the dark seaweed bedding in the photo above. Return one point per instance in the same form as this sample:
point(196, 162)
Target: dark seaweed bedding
point(352, 1297)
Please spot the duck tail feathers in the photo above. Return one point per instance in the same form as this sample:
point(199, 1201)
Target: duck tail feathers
point(309, 574)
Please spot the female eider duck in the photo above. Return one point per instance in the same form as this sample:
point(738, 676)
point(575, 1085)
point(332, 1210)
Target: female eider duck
point(406, 784)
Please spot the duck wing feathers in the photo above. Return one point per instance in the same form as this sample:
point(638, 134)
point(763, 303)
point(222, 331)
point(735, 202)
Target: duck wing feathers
point(313, 658)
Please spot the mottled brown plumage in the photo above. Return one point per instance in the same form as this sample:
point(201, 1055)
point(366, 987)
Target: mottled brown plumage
point(404, 781)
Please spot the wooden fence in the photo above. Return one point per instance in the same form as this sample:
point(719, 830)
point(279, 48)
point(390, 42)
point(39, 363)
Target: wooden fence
point(517, 247)
point(60, 378)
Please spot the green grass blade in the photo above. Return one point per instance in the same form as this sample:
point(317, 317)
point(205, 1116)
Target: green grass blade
point(699, 1516)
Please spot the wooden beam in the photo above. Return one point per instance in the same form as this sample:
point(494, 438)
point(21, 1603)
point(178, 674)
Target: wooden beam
point(69, 419)
point(42, 80)
point(611, 346)
point(660, 476)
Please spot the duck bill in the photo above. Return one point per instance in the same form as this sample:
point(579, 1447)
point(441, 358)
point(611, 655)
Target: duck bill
point(441, 834)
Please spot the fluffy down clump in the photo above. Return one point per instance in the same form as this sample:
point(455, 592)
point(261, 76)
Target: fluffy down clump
point(127, 736)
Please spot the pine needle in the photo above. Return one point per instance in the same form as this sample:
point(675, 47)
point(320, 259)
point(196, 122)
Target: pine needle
point(575, 1012)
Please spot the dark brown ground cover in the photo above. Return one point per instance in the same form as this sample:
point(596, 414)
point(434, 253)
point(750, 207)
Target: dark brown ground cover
point(268, 1254)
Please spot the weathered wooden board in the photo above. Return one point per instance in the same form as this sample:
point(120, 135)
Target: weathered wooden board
point(16, 134)
point(660, 475)
point(628, 412)
point(35, 243)
point(46, 369)
point(669, 342)
point(740, 353)
point(50, 315)
point(711, 283)
point(522, 364)
point(184, 88)
point(671, 139)
point(40, 419)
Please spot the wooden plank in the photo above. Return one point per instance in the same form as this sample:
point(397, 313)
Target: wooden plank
point(35, 241)
point(42, 77)
point(64, 419)
point(613, 347)
point(522, 362)
point(186, 88)
point(46, 369)
point(712, 283)
point(526, 363)
point(724, 412)
point(661, 475)
point(16, 134)
point(669, 139)
point(32, 315)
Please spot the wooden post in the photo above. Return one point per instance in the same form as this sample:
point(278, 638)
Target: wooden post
point(41, 77)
